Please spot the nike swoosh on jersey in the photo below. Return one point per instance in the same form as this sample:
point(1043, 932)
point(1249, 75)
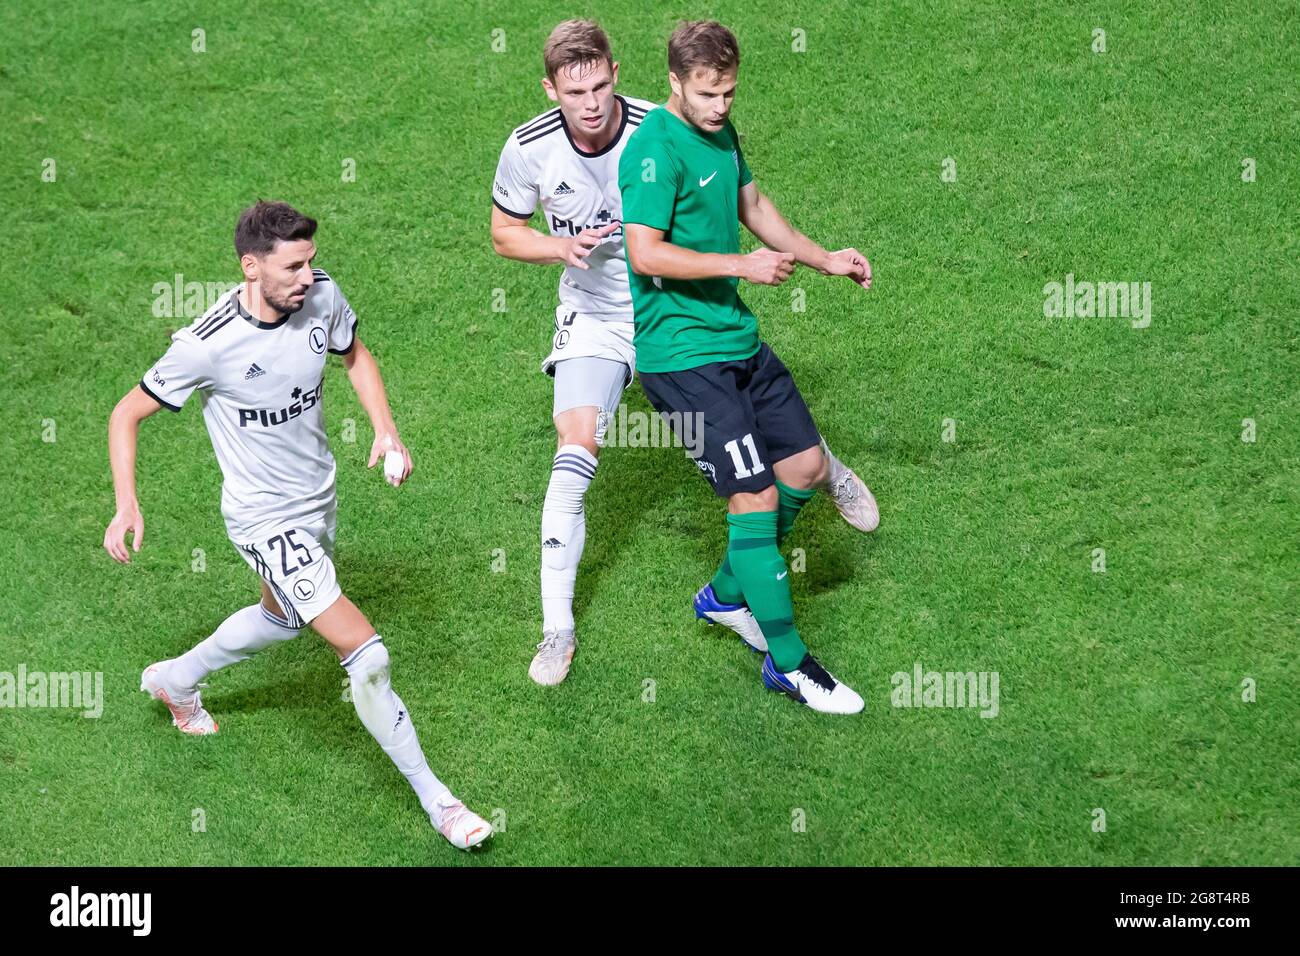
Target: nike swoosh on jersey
point(705, 182)
point(781, 575)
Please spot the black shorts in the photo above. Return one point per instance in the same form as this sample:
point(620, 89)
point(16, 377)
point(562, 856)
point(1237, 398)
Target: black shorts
point(748, 412)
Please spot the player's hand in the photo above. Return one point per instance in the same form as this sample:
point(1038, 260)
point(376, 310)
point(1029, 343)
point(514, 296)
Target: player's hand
point(577, 248)
point(385, 443)
point(767, 266)
point(851, 263)
point(126, 519)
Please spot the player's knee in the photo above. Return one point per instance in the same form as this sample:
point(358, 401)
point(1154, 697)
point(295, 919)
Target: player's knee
point(821, 471)
point(747, 501)
point(580, 436)
point(371, 668)
point(808, 470)
point(579, 426)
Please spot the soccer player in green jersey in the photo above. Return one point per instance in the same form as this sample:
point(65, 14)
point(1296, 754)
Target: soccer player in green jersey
point(685, 188)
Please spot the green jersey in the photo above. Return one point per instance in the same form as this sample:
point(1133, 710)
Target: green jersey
point(686, 182)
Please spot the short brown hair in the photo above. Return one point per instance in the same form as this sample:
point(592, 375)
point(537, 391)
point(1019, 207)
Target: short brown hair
point(702, 44)
point(264, 224)
point(573, 42)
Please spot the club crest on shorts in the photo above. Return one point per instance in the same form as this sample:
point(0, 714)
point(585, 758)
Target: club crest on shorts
point(303, 590)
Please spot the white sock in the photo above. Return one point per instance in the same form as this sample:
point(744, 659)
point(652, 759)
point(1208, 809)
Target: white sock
point(564, 532)
point(239, 637)
point(385, 716)
point(831, 463)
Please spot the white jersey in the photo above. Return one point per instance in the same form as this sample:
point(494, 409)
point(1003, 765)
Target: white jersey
point(541, 164)
point(260, 388)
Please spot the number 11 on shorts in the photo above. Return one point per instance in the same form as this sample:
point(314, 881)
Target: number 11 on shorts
point(733, 449)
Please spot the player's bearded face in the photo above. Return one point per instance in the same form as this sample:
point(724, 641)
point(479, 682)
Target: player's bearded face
point(284, 275)
point(706, 98)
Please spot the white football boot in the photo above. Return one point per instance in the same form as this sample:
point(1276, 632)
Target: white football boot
point(554, 655)
point(462, 827)
point(814, 685)
point(851, 495)
point(738, 617)
point(188, 715)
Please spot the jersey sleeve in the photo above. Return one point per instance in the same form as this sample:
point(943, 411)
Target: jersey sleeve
point(343, 324)
point(742, 167)
point(514, 190)
point(174, 377)
point(649, 180)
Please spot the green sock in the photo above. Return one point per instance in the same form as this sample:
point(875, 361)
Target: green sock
point(792, 501)
point(765, 581)
point(725, 586)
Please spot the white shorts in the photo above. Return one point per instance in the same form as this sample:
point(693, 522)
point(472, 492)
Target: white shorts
point(297, 561)
point(583, 336)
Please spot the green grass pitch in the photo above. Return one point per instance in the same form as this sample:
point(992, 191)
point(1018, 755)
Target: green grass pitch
point(1169, 158)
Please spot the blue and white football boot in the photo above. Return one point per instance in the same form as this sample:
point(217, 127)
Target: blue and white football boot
point(812, 684)
point(738, 617)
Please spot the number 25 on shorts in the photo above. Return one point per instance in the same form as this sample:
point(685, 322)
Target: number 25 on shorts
point(284, 542)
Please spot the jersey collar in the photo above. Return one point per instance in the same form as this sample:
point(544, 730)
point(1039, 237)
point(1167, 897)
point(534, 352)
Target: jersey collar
point(622, 125)
point(719, 139)
point(255, 322)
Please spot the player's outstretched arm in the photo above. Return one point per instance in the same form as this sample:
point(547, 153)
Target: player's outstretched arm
point(649, 254)
point(363, 372)
point(123, 430)
point(515, 239)
point(764, 220)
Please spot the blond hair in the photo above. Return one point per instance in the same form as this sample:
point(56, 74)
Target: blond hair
point(573, 42)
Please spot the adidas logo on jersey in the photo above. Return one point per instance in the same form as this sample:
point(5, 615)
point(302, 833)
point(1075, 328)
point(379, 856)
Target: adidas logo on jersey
point(564, 189)
point(254, 370)
point(552, 543)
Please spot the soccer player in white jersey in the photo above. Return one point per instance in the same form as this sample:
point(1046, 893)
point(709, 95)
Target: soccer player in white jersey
point(257, 361)
point(566, 161)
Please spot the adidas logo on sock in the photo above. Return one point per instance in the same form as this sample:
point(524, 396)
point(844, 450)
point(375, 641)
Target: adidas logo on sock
point(254, 370)
point(552, 543)
point(564, 189)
